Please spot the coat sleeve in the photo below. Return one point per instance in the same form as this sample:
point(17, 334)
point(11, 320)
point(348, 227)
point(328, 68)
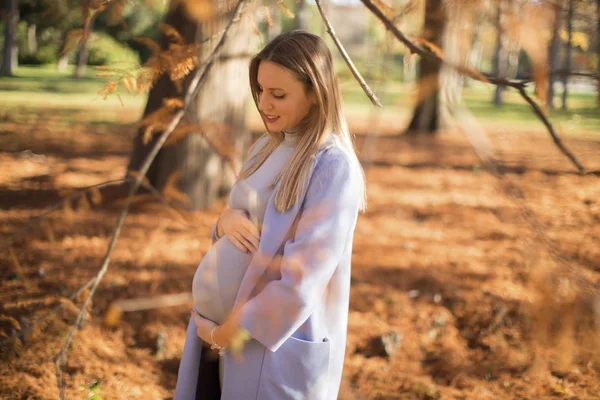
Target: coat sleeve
point(309, 260)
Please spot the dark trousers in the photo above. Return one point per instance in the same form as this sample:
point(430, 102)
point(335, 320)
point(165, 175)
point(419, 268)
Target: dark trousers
point(208, 387)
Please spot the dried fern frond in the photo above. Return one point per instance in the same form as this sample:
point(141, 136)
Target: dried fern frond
point(7, 324)
point(224, 6)
point(432, 47)
point(130, 84)
point(172, 193)
point(200, 10)
point(115, 12)
point(159, 119)
point(74, 37)
point(172, 103)
point(136, 174)
point(108, 89)
point(10, 348)
point(184, 67)
point(285, 9)
point(387, 10)
point(29, 303)
point(171, 33)
point(145, 79)
point(149, 43)
point(250, 20)
point(267, 15)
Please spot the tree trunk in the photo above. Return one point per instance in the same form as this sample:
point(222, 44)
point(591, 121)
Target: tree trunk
point(32, 39)
point(203, 174)
point(475, 52)
point(275, 29)
point(499, 61)
point(426, 117)
point(302, 20)
point(9, 55)
point(63, 63)
point(565, 79)
point(82, 55)
point(456, 43)
point(513, 53)
point(553, 59)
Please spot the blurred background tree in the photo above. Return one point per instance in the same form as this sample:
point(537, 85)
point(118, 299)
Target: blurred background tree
point(203, 175)
point(10, 18)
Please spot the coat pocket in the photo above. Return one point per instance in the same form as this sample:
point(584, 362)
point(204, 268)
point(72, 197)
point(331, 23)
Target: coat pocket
point(298, 370)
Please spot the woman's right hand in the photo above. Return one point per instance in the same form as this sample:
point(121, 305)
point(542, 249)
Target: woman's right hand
point(239, 229)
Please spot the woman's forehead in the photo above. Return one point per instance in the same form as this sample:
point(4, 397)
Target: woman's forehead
point(274, 76)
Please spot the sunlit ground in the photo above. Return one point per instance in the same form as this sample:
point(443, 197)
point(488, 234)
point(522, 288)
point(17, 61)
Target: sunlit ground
point(460, 264)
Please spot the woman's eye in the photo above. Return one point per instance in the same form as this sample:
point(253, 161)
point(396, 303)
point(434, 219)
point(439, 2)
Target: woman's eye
point(281, 96)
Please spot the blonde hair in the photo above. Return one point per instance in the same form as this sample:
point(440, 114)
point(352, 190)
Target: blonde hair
point(309, 59)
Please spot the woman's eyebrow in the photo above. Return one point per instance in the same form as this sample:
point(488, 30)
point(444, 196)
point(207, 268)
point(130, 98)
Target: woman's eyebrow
point(262, 87)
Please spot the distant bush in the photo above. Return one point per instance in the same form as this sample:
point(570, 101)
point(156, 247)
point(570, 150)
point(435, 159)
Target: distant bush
point(104, 50)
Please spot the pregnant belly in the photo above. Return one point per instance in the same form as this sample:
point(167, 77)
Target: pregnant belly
point(218, 279)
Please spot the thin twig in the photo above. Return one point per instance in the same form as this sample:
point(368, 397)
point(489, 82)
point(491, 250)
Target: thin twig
point(562, 73)
point(365, 87)
point(476, 75)
point(546, 122)
point(193, 89)
point(128, 179)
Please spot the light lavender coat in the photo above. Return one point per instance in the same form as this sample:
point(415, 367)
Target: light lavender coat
point(294, 296)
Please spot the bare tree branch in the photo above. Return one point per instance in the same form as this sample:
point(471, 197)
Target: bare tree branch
point(192, 91)
point(550, 128)
point(476, 75)
point(347, 58)
point(562, 73)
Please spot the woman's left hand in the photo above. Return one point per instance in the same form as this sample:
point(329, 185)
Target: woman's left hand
point(227, 335)
point(203, 327)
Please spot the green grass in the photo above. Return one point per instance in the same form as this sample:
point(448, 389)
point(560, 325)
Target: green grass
point(45, 87)
point(47, 78)
point(583, 115)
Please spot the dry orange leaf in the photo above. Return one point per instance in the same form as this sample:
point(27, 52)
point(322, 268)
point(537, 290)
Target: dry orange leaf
point(285, 9)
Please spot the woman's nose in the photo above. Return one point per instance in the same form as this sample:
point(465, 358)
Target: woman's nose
point(263, 103)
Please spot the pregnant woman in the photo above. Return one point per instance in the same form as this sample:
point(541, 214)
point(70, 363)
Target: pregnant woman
point(277, 277)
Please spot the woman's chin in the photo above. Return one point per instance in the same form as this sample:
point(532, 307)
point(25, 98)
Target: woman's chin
point(273, 130)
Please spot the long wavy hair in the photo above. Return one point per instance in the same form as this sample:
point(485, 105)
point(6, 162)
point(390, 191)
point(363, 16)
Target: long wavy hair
point(309, 59)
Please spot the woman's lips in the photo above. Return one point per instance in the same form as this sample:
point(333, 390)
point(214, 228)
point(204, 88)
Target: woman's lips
point(270, 119)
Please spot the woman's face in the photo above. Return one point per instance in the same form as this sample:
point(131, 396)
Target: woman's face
point(282, 98)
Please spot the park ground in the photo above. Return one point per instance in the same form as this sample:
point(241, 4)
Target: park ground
point(489, 284)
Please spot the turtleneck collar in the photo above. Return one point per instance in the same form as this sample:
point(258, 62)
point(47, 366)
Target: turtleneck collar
point(291, 135)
